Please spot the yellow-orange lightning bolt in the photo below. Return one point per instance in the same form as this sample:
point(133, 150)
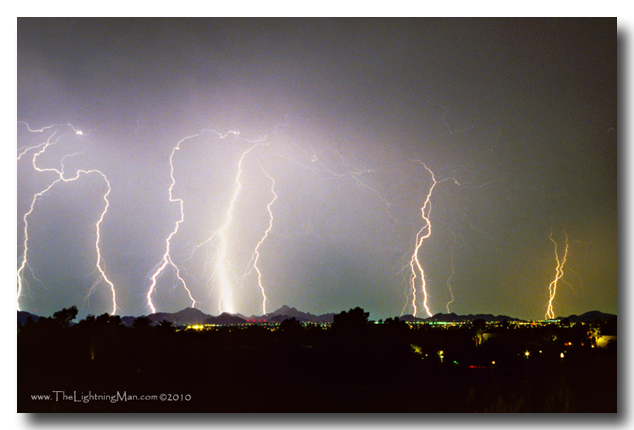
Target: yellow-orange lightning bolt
point(552, 288)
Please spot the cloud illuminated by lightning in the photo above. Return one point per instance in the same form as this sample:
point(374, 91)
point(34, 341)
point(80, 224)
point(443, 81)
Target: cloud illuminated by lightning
point(552, 288)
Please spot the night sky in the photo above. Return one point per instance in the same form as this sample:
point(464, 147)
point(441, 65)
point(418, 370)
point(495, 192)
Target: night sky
point(343, 120)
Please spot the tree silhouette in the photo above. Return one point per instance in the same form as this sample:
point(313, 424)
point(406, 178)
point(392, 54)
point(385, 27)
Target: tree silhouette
point(65, 316)
point(354, 320)
point(395, 325)
point(89, 321)
point(291, 328)
point(165, 326)
point(141, 323)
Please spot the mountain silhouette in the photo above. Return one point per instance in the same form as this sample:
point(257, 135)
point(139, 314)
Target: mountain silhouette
point(188, 316)
point(225, 319)
point(590, 316)
point(192, 316)
point(452, 317)
point(23, 317)
point(287, 312)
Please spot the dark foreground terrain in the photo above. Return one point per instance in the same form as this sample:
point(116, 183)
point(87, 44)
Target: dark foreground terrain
point(99, 365)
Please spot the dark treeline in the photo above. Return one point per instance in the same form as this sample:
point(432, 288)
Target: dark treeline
point(352, 366)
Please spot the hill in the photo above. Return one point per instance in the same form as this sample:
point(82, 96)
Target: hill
point(226, 319)
point(188, 316)
point(589, 317)
point(286, 312)
point(23, 317)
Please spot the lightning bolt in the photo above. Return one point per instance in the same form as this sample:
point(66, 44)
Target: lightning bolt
point(25, 150)
point(221, 271)
point(423, 233)
point(451, 275)
point(445, 110)
point(256, 253)
point(222, 262)
point(552, 288)
point(167, 258)
point(351, 172)
point(416, 270)
point(60, 178)
point(98, 239)
point(356, 174)
point(48, 127)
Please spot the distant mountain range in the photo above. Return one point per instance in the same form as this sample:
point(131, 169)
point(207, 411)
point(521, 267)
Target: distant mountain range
point(286, 312)
point(589, 316)
point(452, 317)
point(192, 316)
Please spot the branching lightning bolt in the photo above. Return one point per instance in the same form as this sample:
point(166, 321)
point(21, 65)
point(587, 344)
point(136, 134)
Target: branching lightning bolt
point(222, 264)
point(445, 110)
point(167, 258)
point(350, 173)
point(48, 127)
point(256, 253)
point(98, 240)
point(552, 288)
point(226, 300)
point(415, 266)
point(60, 178)
point(422, 234)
